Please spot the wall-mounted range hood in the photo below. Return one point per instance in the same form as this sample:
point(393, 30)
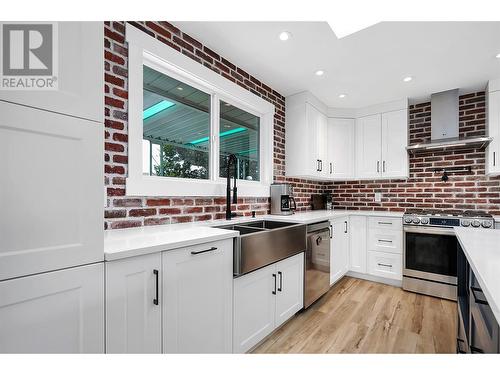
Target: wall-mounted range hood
point(444, 126)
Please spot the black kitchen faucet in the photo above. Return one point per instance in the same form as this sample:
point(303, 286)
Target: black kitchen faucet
point(231, 159)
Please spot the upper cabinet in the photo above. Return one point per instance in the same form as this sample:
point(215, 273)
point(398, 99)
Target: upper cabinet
point(79, 71)
point(306, 137)
point(340, 148)
point(381, 141)
point(342, 144)
point(493, 129)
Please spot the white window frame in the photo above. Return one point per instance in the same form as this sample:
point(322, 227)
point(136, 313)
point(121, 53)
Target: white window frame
point(145, 50)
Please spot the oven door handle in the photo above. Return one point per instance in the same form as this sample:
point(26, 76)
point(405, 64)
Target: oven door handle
point(429, 230)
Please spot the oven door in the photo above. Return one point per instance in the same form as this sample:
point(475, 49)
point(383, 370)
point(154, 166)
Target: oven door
point(430, 253)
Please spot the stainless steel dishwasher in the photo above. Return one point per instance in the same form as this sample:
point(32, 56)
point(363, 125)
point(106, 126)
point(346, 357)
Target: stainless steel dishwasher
point(317, 264)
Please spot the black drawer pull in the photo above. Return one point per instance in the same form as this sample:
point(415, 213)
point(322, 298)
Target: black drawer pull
point(388, 241)
point(156, 299)
point(274, 277)
point(385, 265)
point(384, 223)
point(280, 288)
point(203, 251)
point(473, 349)
point(478, 300)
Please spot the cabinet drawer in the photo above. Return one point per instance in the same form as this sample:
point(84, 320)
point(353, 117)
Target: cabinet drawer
point(381, 222)
point(389, 241)
point(386, 265)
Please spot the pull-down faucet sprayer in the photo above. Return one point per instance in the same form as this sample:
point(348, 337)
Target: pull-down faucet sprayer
point(231, 160)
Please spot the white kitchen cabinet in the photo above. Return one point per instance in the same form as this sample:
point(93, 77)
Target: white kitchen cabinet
point(80, 75)
point(133, 306)
point(386, 265)
point(493, 130)
point(306, 137)
point(368, 146)
point(394, 141)
point(54, 312)
point(357, 238)
point(381, 141)
point(339, 249)
point(265, 299)
point(254, 308)
point(340, 148)
point(198, 298)
point(389, 241)
point(290, 288)
point(51, 194)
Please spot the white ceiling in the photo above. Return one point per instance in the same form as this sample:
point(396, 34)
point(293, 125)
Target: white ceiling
point(369, 66)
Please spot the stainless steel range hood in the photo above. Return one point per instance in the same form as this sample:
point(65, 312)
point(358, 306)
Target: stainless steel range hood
point(444, 126)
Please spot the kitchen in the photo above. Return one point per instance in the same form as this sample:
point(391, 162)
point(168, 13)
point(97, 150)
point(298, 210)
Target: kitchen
point(236, 219)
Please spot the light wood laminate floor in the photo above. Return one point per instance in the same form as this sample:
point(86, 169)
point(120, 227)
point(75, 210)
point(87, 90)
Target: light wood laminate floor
point(359, 316)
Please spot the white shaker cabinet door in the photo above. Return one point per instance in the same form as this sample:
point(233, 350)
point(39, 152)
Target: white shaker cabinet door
point(290, 287)
point(198, 298)
point(254, 307)
point(133, 306)
point(51, 191)
point(80, 74)
point(54, 312)
point(394, 142)
point(341, 148)
point(368, 147)
point(358, 245)
point(339, 249)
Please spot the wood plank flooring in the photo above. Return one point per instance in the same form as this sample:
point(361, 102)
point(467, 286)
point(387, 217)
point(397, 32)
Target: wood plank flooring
point(359, 316)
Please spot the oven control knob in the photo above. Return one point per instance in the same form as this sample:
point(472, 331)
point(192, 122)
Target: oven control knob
point(465, 222)
point(416, 220)
point(408, 220)
point(476, 223)
point(424, 220)
point(486, 224)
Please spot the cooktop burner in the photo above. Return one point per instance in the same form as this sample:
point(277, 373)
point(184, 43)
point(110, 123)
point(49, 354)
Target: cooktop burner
point(455, 218)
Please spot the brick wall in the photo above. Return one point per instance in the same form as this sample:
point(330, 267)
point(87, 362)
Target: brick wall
point(424, 188)
point(124, 211)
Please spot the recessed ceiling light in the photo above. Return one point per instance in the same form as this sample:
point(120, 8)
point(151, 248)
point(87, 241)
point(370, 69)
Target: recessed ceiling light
point(342, 96)
point(180, 88)
point(319, 72)
point(407, 79)
point(285, 35)
point(498, 56)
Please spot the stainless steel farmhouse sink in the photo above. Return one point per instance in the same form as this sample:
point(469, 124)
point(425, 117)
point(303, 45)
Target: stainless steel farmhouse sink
point(264, 242)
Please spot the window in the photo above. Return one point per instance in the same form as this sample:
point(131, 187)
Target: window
point(176, 127)
point(239, 135)
point(184, 121)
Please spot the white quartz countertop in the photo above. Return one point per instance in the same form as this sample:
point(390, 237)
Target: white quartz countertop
point(482, 249)
point(123, 243)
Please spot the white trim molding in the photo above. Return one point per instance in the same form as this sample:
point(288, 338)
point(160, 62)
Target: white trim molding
point(145, 50)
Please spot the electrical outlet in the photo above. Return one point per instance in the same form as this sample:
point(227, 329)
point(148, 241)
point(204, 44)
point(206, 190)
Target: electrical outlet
point(378, 197)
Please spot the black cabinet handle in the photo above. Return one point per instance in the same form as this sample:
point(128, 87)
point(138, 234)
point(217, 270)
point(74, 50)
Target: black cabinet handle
point(383, 166)
point(378, 166)
point(280, 288)
point(274, 277)
point(384, 223)
point(478, 300)
point(384, 265)
point(321, 165)
point(317, 165)
point(156, 300)
point(345, 223)
point(473, 349)
point(494, 158)
point(331, 168)
point(331, 231)
point(388, 241)
point(203, 251)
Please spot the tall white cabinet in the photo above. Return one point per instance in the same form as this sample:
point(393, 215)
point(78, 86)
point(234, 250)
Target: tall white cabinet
point(54, 312)
point(51, 199)
point(339, 248)
point(493, 128)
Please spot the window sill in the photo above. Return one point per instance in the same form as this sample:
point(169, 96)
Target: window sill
point(173, 187)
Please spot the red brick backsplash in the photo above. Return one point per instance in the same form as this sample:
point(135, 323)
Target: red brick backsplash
point(424, 188)
point(124, 211)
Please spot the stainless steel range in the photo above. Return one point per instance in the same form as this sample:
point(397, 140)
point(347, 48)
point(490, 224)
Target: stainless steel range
point(430, 249)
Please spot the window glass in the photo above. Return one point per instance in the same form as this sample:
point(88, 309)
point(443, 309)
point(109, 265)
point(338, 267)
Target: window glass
point(239, 135)
point(176, 127)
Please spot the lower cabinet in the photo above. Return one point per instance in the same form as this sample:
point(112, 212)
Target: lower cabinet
point(265, 299)
point(133, 311)
point(388, 265)
point(357, 249)
point(54, 312)
point(339, 249)
point(197, 298)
